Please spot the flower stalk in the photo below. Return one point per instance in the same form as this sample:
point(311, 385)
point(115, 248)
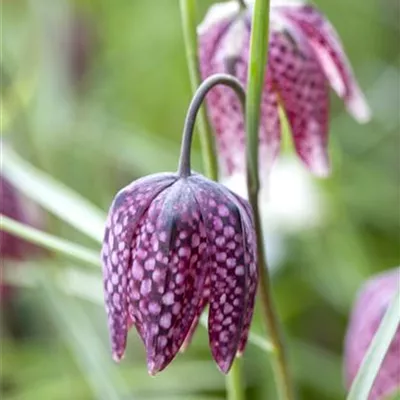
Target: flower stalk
point(188, 15)
point(257, 61)
point(200, 94)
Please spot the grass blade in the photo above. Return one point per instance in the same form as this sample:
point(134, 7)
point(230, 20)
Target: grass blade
point(50, 242)
point(53, 195)
point(83, 341)
point(376, 352)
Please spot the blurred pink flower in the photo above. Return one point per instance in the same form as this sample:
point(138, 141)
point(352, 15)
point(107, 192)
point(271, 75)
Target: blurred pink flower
point(305, 55)
point(15, 206)
point(367, 314)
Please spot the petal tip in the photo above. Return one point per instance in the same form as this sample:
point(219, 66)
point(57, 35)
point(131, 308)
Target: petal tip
point(239, 353)
point(359, 108)
point(156, 363)
point(224, 366)
point(118, 356)
point(320, 166)
point(153, 368)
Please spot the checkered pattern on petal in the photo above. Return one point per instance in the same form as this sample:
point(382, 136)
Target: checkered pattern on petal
point(225, 50)
point(200, 308)
point(251, 262)
point(124, 216)
point(331, 55)
point(301, 84)
point(226, 222)
point(168, 273)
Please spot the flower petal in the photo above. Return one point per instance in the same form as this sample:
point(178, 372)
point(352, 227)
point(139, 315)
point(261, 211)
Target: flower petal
point(229, 272)
point(302, 88)
point(200, 308)
point(124, 215)
point(250, 258)
point(216, 14)
point(224, 49)
point(332, 57)
point(168, 273)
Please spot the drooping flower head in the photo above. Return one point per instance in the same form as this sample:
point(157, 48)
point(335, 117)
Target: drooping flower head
point(305, 56)
point(173, 244)
point(372, 302)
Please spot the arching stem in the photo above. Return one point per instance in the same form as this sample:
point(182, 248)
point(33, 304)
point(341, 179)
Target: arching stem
point(184, 169)
point(189, 28)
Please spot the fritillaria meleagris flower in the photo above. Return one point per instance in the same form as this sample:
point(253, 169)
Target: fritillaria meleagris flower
point(305, 55)
point(173, 244)
point(371, 305)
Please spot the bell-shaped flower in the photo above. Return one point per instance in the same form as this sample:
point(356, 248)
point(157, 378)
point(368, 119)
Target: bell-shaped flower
point(372, 302)
point(174, 243)
point(305, 56)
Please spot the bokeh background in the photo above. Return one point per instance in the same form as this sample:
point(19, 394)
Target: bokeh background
point(94, 93)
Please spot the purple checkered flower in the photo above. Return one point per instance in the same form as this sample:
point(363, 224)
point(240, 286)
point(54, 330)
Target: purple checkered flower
point(373, 300)
point(173, 244)
point(305, 56)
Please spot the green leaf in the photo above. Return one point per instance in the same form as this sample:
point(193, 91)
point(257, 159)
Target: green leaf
point(53, 195)
point(50, 242)
point(376, 352)
point(75, 328)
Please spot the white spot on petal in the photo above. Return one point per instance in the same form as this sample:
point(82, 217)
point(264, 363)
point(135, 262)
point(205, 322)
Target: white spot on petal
point(165, 321)
point(168, 298)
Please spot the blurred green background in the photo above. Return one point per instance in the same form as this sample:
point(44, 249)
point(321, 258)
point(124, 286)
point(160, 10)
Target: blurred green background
point(94, 93)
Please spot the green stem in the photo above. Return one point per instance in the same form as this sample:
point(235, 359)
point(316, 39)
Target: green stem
point(184, 168)
point(188, 12)
point(257, 61)
point(49, 242)
point(234, 381)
